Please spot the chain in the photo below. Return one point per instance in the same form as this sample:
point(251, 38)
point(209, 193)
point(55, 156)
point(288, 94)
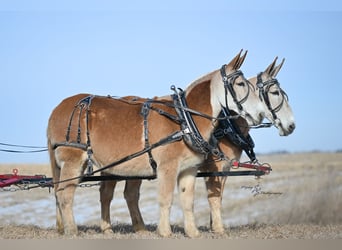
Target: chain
point(86, 185)
point(11, 189)
point(27, 185)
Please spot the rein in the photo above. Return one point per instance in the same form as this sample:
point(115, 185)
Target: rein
point(175, 106)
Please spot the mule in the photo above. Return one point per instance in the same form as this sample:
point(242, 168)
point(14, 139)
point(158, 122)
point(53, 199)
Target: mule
point(86, 130)
point(278, 112)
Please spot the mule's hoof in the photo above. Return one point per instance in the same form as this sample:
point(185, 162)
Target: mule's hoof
point(60, 231)
point(193, 233)
point(164, 232)
point(108, 231)
point(218, 230)
point(71, 232)
point(138, 229)
point(142, 232)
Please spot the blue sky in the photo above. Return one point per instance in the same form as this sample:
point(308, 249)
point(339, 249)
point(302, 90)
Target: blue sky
point(49, 51)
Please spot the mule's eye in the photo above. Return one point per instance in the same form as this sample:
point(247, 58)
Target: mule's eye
point(276, 92)
point(241, 84)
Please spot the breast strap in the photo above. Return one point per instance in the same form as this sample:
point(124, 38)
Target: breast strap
point(228, 128)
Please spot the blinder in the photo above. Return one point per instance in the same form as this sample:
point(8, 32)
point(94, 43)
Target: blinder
point(228, 81)
point(264, 88)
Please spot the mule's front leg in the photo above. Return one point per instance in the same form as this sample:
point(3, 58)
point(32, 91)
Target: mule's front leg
point(65, 198)
point(166, 186)
point(132, 194)
point(215, 187)
point(106, 196)
point(186, 189)
point(71, 162)
point(59, 220)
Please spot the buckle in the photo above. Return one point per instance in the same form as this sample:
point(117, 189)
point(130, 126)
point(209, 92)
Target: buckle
point(260, 85)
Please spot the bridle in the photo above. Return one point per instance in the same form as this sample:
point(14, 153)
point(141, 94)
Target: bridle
point(264, 88)
point(192, 135)
point(228, 81)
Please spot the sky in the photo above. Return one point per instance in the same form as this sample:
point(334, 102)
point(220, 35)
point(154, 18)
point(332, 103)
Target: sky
point(50, 50)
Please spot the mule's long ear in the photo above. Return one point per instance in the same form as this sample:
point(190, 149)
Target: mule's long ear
point(270, 67)
point(241, 60)
point(276, 69)
point(234, 62)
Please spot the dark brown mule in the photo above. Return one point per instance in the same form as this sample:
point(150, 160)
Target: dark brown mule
point(278, 112)
point(87, 129)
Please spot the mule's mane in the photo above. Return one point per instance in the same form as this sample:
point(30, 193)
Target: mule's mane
point(204, 78)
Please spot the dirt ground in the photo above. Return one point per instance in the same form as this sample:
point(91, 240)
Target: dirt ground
point(300, 199)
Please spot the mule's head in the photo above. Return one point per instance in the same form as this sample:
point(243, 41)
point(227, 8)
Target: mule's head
point(239, 94)
point(278, 110)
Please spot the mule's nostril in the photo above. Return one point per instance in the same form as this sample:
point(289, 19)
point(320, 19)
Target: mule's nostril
point(292, 127)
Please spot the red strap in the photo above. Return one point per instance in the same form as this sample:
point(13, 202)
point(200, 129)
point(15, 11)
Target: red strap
point(259, 167)
point(8, 182)
point(9, 179)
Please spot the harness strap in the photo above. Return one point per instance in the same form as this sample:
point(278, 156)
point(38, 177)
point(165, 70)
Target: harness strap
point(228, 128)
point(228, 83)
point(71, 144)
point(83, 104)
point(192, 136)
point(162, 112)
point(263, 94)
point(176, 136)
point(144, 112)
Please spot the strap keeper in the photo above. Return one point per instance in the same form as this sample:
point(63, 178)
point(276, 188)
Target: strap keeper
point(89, 170)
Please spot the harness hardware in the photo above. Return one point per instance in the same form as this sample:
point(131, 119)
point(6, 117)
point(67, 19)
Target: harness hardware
point(192, 136)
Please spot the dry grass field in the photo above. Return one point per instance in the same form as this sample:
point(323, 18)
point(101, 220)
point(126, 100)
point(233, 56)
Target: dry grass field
point(300, 199)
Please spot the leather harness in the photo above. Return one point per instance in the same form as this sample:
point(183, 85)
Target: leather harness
point(189, 131)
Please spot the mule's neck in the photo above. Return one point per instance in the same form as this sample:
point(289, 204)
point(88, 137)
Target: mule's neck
point(198, 97)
